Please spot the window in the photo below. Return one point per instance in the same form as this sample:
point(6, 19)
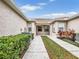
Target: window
point(21, 29)
point(25, 29)
point(61, 28)
point(46, 28)
point(39, 28)
point(29, 29)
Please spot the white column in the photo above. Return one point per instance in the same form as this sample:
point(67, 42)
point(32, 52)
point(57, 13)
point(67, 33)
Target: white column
point(34, 28)
point(43, 30)
point(51, 29)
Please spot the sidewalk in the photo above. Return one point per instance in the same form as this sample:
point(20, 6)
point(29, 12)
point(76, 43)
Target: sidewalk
point(36, 50)
point(69, 47)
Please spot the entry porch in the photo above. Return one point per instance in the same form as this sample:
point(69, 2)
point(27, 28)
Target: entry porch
point(42, 30)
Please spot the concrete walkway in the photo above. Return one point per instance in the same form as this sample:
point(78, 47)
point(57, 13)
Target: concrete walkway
point(36, 50)
point(69, 47)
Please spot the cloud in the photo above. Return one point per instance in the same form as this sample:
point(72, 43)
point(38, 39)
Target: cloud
point(51, 0)
point(71, 13)
point(55, 15)
point(42, 4)
point(28, 8)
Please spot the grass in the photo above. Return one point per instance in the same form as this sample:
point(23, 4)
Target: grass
point(71, 42)
point(55, 51)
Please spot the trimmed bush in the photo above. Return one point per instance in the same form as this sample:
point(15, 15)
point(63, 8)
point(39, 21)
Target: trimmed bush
point(11, 47)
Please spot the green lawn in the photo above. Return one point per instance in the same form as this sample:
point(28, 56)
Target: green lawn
point(71, 42)
point(55, 51)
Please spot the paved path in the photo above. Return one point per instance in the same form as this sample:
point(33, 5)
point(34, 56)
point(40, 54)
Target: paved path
point(36, 50)
point(69, 47)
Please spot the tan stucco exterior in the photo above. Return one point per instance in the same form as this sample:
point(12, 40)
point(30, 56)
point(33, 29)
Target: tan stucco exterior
point(74, 24)
point(11, 23)
point(53, 25)
point(58, 25)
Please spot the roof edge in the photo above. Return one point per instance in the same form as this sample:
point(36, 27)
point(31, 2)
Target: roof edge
point(15, 8)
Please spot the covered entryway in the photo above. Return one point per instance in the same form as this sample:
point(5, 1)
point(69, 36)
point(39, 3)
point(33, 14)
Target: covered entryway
point(42, 29)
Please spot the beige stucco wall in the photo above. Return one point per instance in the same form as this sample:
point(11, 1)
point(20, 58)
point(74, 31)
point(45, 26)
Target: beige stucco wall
point(10, 22)
point(56, 26)
point(74, 24)
point(32, 25)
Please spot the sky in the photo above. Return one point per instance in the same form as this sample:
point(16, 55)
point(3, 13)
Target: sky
point(48, 8)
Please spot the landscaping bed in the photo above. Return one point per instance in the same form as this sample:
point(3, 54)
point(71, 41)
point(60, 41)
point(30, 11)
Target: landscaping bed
point(55, 51)
point(13, 47)
point(71, 42)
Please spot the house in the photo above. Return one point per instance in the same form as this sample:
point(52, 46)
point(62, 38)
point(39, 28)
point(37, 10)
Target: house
point(40, 26)
point(12, 20)
point(73, 23)
point(59, 24)
point(31, 27)
point(43, 26)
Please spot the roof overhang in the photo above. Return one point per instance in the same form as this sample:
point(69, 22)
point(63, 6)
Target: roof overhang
point(73, 17)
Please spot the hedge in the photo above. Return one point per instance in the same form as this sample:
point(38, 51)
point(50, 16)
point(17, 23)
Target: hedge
point(12, 46)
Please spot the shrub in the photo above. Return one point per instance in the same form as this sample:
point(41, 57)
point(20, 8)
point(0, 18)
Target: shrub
point(12, 46)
